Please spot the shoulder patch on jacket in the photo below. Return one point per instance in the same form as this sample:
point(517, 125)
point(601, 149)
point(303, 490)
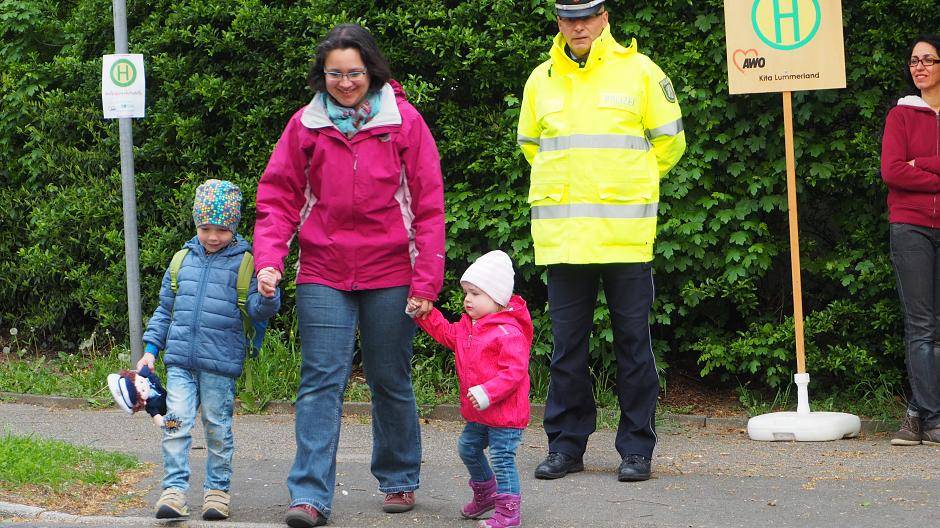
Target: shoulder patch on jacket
point(668, 91)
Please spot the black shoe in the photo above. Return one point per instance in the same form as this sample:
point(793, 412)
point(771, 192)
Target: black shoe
point(557, 465)
point(634, 468)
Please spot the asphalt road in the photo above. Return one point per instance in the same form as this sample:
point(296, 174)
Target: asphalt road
point(701, 477)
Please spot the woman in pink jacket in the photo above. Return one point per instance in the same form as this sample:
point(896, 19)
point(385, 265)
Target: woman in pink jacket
point(910, 166)
point(356, 177)
point(491, 342)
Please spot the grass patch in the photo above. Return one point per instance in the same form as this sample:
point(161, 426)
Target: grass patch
point(61, 476)
point(275, 374)
point(80, 375)
point(875, 399)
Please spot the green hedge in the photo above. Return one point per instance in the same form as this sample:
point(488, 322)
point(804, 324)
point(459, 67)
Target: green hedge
point(223, 76)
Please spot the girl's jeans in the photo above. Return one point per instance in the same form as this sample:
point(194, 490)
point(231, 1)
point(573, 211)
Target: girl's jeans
point(915, 253)
point(187, 391)
point(328, 320)
point(502, 442)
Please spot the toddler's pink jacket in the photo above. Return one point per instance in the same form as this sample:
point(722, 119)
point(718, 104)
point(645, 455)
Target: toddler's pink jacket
point(492, 359)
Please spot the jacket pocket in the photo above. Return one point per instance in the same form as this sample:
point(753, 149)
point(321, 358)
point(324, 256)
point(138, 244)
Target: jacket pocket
point(545, 106)
point(626, 191)
point(546, 193)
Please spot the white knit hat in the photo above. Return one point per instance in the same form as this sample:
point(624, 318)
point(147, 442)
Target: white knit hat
point(493, 274)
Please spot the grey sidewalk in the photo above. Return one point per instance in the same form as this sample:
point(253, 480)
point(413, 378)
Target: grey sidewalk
point(702, 477)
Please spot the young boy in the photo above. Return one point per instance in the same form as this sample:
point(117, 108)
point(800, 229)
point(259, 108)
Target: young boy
point(491, 344)
point(199, 328)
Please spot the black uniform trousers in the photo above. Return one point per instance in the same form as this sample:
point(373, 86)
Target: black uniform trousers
point(571, 412)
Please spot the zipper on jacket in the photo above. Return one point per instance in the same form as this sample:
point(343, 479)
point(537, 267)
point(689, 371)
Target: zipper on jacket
point(355, 153)
point(197, 313)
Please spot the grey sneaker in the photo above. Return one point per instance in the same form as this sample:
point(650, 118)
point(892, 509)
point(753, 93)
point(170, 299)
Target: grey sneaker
point(932, 436)
point(910, 433)
point(172, 504)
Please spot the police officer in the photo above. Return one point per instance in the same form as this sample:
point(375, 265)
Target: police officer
point(600, 126)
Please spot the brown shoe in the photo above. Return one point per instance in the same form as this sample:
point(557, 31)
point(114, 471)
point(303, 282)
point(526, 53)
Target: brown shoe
point(932, 436)
point(910, 432)
point(399, 502)
point(303, 516)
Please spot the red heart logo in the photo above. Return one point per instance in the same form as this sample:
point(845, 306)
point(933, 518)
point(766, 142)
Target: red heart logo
point(744, 54)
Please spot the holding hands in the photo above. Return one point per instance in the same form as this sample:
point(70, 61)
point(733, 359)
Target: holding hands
point(418, 308)
point(268, 279)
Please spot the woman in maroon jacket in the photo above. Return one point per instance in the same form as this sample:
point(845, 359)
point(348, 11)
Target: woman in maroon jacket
point(910, 166)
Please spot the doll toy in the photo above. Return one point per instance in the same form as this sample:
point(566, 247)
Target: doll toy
point(133, 391)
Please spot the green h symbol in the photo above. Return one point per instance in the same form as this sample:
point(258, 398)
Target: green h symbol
point(123, 73)
point(794, 14)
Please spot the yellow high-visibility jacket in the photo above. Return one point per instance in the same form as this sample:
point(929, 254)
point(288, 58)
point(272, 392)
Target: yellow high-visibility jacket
point(599, 138)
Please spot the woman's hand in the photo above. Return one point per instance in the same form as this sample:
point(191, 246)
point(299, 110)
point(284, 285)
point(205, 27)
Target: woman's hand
point(418, 307)
point(268, 279)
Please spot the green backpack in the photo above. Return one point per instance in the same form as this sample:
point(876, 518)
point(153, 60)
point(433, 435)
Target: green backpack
point(254, 330)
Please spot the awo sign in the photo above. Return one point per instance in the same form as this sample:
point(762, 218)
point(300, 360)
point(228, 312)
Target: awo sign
point(748, 59)
point(784, 45)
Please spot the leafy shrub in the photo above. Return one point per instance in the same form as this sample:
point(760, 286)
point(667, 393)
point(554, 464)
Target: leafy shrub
point(223, 76)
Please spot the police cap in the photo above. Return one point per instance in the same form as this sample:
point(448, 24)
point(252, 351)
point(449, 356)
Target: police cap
point(577, 8)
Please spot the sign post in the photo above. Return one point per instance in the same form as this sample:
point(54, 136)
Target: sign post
point(783, 46)
point(123, 71)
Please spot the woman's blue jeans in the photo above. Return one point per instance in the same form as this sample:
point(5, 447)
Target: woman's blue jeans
point(187, 391)
point(328, 320)
point(915, 253)
point(502, 442)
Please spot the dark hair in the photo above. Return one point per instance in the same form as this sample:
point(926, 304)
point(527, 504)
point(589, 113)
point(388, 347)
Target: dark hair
point(350, 36)
point(933, 40)
point(132, 376)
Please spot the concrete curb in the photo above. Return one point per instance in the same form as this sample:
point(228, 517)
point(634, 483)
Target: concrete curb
point(444, 412)
point(10, 510)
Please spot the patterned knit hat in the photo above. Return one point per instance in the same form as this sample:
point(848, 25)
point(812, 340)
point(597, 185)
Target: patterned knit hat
point(218, 202)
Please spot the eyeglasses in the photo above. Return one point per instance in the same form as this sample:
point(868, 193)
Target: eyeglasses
point(355, 75)
point(926, 61)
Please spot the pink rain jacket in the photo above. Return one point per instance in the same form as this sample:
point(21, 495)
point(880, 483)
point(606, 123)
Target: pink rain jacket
point(369, 210)
point(492, 355)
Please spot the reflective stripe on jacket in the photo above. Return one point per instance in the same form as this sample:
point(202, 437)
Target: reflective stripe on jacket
point(598, 137)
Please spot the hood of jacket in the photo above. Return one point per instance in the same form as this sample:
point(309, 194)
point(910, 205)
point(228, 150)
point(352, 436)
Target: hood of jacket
point(603, 46)
point(238, 246)
point(915, 102)
point(515, 315)
point(315, 115)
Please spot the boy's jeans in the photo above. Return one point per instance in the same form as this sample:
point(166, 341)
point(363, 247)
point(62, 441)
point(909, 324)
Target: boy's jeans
point(188, 390)
point(328, 319)
point(502, 442)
